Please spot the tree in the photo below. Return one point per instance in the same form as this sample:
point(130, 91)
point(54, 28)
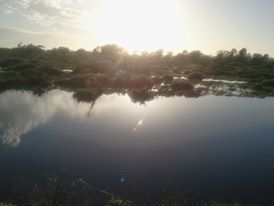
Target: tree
point(61, 54)
point(233, 52)
point(195, 56)
point(110, 52)
point(243, 54)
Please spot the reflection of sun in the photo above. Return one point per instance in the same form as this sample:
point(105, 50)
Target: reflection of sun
point(139, 124)
point(142, 24)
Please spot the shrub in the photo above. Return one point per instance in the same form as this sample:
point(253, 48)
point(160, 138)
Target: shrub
point(167, 79)
point(118, 83)
point(136, 82)
point(195, 76)
point(50, 70)
point(22, 67)
point(140, 82)
point(103, 80)
point(76, 82)
point(269, 83)
point(140, 96)
point(11, 61)
point(86, 95)
point(181, 85)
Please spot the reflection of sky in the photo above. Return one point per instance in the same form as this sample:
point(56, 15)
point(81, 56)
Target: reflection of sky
point(201, 144)
point(21, 112)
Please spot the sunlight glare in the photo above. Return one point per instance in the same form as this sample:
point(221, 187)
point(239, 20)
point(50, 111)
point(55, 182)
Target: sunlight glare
point(143, 25)
point(139, 124)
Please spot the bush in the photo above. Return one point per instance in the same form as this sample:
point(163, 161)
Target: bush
point(167, 79)
point(118, 83)
point(195, 76)
point(182, 86)
point(136, 83)
point(269, 83)
point(25, 80)
point(86, 95)
point(22, 67)
point(76, 82)
point(11, 61)
point(103, 80)
point(50, 70)
point(140, 82)
point(140, 96)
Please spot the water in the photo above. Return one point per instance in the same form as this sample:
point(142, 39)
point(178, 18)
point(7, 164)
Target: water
point(224, 81)
point(208, 148)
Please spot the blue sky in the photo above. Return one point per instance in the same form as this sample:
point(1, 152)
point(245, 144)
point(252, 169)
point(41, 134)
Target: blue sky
point(206, 25)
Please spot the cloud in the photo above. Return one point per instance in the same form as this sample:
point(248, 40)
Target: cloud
point(65, 23)
point(52, 12)
point(45, 12)
point(10, 37)
point(21, 112)
point(21, 30)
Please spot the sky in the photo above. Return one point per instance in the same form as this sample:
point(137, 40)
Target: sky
point(140, 25)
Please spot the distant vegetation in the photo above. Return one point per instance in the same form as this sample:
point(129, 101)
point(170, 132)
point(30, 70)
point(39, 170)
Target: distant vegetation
point(110, 67)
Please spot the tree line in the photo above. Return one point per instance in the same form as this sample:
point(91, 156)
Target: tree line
point(113, 56)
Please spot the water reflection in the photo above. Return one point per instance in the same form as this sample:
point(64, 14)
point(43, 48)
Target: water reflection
point(139, 124)
point(190, 146)
point(22, 111)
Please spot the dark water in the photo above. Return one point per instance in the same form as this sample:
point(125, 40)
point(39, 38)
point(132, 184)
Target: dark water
point(209, 148)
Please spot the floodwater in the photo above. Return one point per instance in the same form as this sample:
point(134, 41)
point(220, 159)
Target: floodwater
point(210, 148)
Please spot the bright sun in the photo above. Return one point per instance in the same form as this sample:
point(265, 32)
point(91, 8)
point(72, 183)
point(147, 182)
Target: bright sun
point(142, 25)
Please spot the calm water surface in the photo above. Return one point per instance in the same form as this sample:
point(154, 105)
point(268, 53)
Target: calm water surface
point(207, 148)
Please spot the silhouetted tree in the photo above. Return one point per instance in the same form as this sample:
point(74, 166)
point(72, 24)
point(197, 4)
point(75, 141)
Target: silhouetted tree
point(243, 55)
point(111, 52)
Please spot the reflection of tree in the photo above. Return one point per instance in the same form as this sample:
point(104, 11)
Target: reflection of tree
point(88, 96)
point(90, 108)
point(141, 96)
